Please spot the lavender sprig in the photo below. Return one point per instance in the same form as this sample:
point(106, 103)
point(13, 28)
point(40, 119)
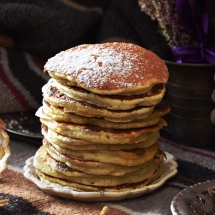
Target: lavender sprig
point(164, 11)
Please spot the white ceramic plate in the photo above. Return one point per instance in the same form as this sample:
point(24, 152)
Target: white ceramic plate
point(169, 170)
point(198, 199)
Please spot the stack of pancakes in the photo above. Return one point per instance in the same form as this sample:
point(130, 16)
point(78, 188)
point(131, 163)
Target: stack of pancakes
point(101, 115)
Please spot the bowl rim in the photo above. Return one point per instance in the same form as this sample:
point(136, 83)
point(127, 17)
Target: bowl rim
point(189, 64)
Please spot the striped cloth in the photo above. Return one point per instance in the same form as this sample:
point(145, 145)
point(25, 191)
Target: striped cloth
point(21, 79)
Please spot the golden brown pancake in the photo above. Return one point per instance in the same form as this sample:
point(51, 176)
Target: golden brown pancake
point(108, 68)
point(136, 156)
point(95, 167)
point(77, 144)
point(44, 163)
point(102, 136)
point(58, 182)
point(113, 102)
point(58, 114)
point(56, 98)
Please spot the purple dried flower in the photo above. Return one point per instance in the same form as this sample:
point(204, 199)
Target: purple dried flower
point(164, 11)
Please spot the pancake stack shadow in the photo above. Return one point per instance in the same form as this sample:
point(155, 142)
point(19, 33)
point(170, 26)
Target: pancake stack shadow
point(101, 118)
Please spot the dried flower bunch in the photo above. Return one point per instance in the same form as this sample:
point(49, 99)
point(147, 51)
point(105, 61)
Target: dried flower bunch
point(164, 11)
point(184, 24)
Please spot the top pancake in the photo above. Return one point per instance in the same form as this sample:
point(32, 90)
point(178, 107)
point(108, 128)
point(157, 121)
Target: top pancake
point(108, 68)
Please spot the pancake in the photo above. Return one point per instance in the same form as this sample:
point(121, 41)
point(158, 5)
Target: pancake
point(108, 68)
point(113, 102)
point(57, 182)
point(95, 167)
point(56, 98)
point(47, 165)
point(58, 114)
point(136, 156)
point(102, 136)
point(77, 144)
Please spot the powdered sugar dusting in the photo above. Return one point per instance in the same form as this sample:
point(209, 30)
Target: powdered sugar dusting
point(103, 66)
